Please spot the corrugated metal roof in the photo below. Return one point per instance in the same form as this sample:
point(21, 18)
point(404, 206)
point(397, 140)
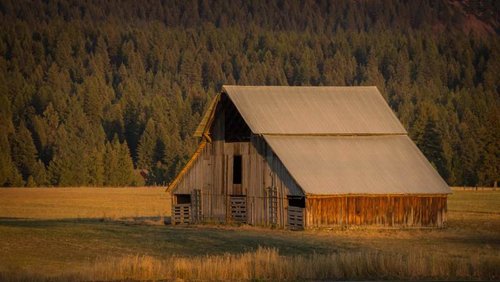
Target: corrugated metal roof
point(314, 110)
point(331, 165)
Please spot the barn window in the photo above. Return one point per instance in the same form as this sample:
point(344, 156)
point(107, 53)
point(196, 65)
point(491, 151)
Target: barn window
point(237, 169)
point(299, 202)
point(183, 198)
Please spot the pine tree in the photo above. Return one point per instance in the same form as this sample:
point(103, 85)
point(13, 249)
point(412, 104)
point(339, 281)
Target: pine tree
point(110, 166)
point(95, 165)
point(432, 147)
point(68, 167)
point(125, 166)
point(469, 149)
point(75, 141)
point(6, 164)
point(371, 73)
point(63, 50)
point(40, 174)
point(146, 150)
point(95, 98)
point(9, 175)
point(24, 152)
point(119, 169)
point(489, 162)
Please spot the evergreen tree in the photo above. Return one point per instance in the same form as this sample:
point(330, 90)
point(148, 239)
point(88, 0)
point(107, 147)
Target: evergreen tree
point(96, 169)
point(125, 165)
point(40, 174)
point(25, 153)
point(119, 169)
point(6, 164)
point(66, 167)
point(489, 162)
point(110, 165)
point(9, 174)
point(146, 151)
point(45, 133)
point(432, 147)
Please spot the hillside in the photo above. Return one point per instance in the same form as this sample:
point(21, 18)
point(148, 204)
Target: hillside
point(93, 92)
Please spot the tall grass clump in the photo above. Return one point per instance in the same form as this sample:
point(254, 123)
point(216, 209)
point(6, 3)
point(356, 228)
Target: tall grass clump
point(268, 264)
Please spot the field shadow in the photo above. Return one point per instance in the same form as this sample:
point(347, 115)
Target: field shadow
point(27, 221)
point(139, 236)
point(149, 236)
point(39, 223)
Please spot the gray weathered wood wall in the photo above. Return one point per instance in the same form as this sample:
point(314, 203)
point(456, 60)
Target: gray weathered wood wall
point(265, 181)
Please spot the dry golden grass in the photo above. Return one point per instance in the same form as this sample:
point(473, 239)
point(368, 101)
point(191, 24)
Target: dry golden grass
point(59, 203)
point(482, 201)
point(89, 249)
point(268, 264)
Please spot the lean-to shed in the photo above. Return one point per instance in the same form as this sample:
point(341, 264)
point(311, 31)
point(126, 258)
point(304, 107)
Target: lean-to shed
point(302, 157)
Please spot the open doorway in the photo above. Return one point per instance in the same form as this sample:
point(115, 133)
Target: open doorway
point(296, 207)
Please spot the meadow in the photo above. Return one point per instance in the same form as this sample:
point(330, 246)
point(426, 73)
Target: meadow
point(118, 233)
point(83, 203)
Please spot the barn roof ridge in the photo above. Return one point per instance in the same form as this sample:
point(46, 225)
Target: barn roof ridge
point(333, 134)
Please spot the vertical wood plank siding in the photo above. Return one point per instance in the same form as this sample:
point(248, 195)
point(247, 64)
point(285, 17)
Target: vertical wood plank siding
point(212, 173)
point(391, 210)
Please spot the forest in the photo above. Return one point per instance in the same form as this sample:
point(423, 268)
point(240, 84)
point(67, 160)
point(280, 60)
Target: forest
point(108, 93)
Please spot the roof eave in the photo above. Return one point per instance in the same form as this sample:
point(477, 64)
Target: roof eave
point(208, 117)
point(309, 195)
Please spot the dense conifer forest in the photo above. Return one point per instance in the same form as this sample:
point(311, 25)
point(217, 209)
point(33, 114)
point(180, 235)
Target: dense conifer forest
point(92, 92)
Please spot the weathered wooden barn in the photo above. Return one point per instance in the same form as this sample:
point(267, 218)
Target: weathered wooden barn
point(302, 157)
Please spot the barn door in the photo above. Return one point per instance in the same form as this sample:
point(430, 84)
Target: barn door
point(181, 211)
point(295, 218)
point(187, 208)
point(239, 209)
point(296, 207)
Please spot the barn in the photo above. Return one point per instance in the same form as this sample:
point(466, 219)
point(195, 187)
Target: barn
point(306, 157)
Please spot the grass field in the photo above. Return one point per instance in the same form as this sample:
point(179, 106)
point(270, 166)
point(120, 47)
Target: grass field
point(85, 203)
point(75, 234)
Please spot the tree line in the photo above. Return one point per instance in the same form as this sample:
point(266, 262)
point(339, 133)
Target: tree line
point(93, 93)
